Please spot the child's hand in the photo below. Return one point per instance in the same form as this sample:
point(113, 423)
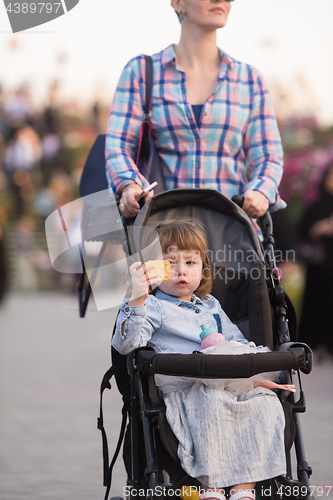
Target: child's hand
point(141, 280)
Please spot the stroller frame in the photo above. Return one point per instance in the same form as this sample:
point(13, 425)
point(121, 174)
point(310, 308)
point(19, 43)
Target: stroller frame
point(152, 418)
point(147, 411)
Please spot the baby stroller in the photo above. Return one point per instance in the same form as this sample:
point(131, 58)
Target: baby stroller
point(246, 282)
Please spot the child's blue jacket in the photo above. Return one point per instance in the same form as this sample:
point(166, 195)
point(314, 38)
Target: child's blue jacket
point(169, 324)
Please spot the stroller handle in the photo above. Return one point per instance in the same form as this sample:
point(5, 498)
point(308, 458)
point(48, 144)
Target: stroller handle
point(238, 199)
point(265, 221)
point(266, 225)
point(200, 365)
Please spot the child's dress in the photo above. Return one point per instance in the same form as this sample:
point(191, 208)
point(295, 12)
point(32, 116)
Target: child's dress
point(224, 439)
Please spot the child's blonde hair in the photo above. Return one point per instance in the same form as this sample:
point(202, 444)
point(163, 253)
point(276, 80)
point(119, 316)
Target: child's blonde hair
point(188, 235)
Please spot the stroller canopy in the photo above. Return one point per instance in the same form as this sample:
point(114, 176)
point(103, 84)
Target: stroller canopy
point(232, 239)
point(236, 253)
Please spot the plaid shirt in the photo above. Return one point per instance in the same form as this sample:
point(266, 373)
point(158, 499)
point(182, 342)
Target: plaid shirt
point(238, 130)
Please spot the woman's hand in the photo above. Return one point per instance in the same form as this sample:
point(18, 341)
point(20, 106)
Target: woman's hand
point(129, 205)
point(255, 203)
point(141, 280)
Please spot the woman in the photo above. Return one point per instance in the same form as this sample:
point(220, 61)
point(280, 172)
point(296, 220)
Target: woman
point(212, 119)
point(317, 227)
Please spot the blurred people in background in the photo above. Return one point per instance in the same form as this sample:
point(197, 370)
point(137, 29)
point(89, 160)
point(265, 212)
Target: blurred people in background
point(52, 158)
point(22, 156)
point(316, 326)
point(96, 111)
point(18, 106)
point(24, 254)
point(51, 145)
point(61, 189)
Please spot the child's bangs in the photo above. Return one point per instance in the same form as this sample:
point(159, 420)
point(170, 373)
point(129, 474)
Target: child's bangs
point(183, 242)
point(183, 236)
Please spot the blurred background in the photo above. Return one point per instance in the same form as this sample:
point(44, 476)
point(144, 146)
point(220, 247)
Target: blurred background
point(56, 88)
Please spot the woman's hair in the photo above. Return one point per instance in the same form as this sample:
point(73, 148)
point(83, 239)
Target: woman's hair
point(188, 235)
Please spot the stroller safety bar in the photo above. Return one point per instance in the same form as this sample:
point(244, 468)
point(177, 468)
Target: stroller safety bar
point(219, 366)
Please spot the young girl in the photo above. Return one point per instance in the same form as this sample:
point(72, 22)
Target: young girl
point(223, 440)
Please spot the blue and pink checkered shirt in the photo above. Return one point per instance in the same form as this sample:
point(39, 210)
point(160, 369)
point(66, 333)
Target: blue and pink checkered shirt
point(237, 130)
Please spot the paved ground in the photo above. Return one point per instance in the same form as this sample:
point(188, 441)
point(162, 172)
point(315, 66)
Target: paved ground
point(51, 363)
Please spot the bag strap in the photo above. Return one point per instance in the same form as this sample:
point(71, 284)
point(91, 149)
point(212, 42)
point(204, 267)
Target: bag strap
point(107, 469)
point(146, 124)
point(145, 128)
point(149, 86)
